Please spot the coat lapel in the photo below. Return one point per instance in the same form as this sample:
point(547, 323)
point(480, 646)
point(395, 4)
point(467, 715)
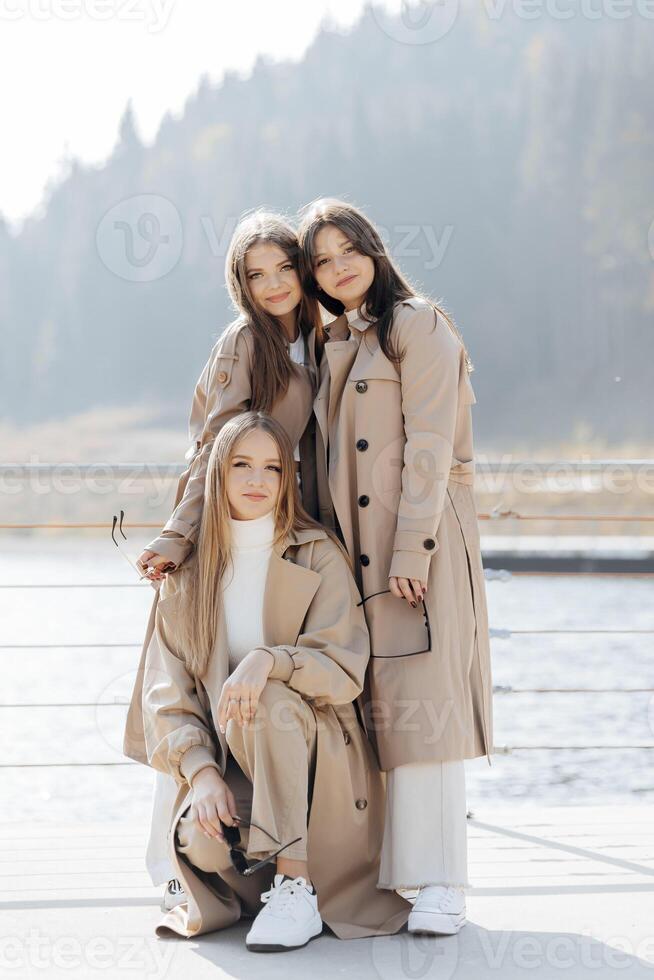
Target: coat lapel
point(290, 589)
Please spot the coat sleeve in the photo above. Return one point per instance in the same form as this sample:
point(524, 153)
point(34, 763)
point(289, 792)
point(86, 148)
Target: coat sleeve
point(179, 738)
point(432, 360)
point(225, 384)
point(328, 663)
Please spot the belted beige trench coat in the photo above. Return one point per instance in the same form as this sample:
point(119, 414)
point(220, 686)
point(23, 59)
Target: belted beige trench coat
point(395, 475)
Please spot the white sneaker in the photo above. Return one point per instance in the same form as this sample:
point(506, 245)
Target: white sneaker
point(173, 895)
point(439, 910)
point(288, 919)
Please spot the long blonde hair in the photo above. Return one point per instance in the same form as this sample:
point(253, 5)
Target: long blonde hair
point(389, 286)
point(200, 578)
point(272, 366)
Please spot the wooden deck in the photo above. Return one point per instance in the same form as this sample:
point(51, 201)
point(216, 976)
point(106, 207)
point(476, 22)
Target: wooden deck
point(563, 892)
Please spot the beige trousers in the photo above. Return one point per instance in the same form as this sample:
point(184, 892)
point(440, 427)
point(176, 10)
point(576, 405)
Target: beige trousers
point(270, 771)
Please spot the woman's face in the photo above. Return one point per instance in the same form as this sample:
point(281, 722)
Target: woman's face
point(339, 269)
point(272, 279)
point(253, 476)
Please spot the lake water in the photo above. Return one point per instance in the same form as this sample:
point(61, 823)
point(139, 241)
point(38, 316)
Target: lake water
point(113, 609)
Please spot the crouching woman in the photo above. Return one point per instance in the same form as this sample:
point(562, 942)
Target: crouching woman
point(258, 653)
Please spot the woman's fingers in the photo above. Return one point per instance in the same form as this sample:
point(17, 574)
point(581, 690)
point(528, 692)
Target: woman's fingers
point(416, 585)
point(394, 587)
point(212, 817)
point(407, 591)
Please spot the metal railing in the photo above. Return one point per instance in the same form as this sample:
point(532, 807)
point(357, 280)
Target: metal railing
point(545, 469)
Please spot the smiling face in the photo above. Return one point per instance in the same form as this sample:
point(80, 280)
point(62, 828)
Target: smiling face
point(253, 476)
point(272, 279)
point(339, 269)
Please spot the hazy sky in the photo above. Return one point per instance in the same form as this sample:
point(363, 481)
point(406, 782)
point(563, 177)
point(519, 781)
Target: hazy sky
point(68, 68)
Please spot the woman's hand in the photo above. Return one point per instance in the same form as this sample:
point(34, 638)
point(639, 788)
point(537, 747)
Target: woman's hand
point(411, 589)
point(159, 565)
point(241, 691)
point(212, 802)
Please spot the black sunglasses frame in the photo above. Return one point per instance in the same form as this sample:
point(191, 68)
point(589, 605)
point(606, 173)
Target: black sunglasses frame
point(414, 653)
point(237, 857)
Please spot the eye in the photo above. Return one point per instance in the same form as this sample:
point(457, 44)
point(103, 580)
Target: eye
point(320, 262)
point(240, 462)
point(253, 275)
point(289, 265)
point(349, 248)
point(277, 469)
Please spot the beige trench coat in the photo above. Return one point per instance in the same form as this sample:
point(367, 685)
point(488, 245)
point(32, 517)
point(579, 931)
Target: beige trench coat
point(320, 643)
point(395, 474)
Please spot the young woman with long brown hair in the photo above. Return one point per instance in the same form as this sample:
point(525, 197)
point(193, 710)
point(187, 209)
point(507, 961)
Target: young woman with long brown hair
point(395, 474)
point(259, 649)
point(260, 362)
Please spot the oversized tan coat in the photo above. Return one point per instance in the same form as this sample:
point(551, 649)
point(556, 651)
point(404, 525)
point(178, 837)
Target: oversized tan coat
point(319, 640)
point(395, 474)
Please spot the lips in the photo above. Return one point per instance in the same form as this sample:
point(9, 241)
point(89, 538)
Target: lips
point(345, 281)
point(279, 298)
point(255, 496)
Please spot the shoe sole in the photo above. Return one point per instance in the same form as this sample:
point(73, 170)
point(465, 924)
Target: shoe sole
point(279, 947)
point(439, 925)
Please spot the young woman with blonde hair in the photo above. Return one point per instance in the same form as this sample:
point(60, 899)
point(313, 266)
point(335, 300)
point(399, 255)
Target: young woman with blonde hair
point(395, 474)
point(258, 650)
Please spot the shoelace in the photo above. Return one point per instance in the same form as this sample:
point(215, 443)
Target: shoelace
point(283, 895)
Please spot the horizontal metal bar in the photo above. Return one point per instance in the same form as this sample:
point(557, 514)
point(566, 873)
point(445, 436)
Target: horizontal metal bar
point(510, 515)
point(75, 585)
point(497, 689)
point(495, 634)
point(158, 469)
point(496, 750)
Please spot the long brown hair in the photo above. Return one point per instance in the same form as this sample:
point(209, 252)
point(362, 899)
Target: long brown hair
point(389, 286)
point(200, 577)
point(272, 367)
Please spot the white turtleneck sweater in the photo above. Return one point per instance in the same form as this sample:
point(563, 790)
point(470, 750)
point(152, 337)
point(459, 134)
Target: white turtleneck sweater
point(245, 584)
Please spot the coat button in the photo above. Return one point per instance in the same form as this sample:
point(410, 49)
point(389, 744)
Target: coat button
point(364, 559)
point(429, 544)
point(361, 387)
point(362, 445)
point(361, 804)
point(222, 377)
point(347, 738)
point(364, 500)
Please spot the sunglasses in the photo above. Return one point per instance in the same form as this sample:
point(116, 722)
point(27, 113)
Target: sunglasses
point(119, 521)
point(414, 630)
point(237, 856)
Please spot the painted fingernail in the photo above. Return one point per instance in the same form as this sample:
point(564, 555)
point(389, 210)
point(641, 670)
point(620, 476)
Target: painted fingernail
point(414, 604)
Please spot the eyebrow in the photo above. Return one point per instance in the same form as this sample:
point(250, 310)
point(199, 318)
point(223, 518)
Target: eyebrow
point(275, 459)
point(257, 268)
